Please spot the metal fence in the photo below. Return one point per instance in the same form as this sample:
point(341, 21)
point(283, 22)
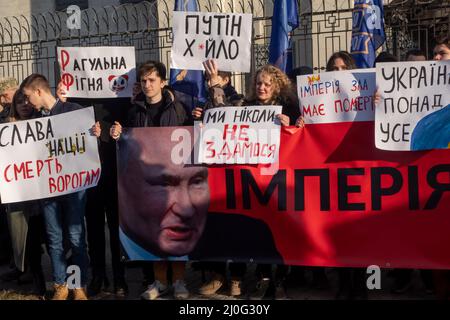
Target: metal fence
point(28, 44)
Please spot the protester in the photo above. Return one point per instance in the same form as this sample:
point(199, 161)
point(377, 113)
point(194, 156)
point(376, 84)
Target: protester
point(441, 50)
point(101, 201)
point(8, 86)
point(71, 206)
point(415, 55)
point(221, 94)
point(352, 284)
point(297, 273)
point(385, 57)
point(441, 278)
point(24, 218)
point(270, 87)
point(341, 60)
point(156, 107)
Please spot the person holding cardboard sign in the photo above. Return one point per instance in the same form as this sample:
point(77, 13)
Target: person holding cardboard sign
point(156, 107)
point(36, 89)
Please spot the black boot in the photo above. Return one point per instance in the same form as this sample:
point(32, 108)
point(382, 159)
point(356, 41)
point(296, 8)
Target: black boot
point(98, 283)
point(39, 283)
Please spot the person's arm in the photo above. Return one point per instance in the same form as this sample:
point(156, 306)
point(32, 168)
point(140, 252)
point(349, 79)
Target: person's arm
point(197, 113)
point(300, 123)
point(376, 97)
point(284, 119)
point(216, 92)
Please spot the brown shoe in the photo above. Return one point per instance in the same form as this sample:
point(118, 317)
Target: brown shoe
point(61, 292)
point(212, 286)
point(235, 287)
point(79, 294)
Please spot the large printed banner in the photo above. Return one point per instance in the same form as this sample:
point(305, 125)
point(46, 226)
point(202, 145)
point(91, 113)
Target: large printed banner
point(414, 113)
point(97, 72)
point(48, 157)
point(198, 36)
point(337, 96)
point(336, 200)
point(240, 135)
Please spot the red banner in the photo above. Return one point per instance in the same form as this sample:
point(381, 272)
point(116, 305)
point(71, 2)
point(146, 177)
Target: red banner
point(338, 201)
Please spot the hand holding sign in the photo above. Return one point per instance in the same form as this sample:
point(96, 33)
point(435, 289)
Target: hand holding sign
point(300, 123)
point(96, 130)
point(197, 113)
point(284, 119)
point(116, 130)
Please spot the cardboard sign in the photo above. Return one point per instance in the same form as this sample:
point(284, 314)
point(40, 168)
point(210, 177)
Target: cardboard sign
point(240, 135)
point(48, 157)
point(199, 36)
point(414, 113)
point(97, 72)
point(338, 96)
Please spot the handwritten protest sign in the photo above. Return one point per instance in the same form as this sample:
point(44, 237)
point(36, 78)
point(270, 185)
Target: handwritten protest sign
point(97, 72)
point(48, 157)
point(414, 112)
point(198, 36)
point(339, 96)
point(240, 135)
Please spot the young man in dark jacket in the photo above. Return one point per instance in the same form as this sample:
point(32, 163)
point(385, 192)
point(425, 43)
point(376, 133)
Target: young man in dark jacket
point(156, 106)
point(72, 206)
point(101, 201)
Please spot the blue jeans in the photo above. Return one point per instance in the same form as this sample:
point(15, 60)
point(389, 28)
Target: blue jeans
point(66, 214)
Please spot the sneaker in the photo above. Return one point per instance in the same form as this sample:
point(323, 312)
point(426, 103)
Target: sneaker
point(79, 294)
point(261, 289)
point(212, 286)
point(61, 292)
point(179, 290)
point(235, 287)
point(155, 290)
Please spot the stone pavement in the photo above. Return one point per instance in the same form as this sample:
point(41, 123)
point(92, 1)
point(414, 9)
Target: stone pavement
point(194, 280)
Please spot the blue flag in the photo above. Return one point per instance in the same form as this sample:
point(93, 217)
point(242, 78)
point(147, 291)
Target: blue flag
point(368, 31)
point(189, 85)
point(284, 21)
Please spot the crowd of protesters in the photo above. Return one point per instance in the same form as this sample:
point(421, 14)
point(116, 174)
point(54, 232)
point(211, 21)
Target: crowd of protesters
point(59, 225)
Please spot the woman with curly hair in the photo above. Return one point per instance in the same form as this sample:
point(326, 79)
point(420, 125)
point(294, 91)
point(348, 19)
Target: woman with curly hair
point(271, 86)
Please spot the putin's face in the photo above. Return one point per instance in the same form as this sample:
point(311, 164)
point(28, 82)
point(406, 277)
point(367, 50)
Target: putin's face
point(163, 205)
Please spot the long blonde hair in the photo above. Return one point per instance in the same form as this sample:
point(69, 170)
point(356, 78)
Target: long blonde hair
point(283, 88)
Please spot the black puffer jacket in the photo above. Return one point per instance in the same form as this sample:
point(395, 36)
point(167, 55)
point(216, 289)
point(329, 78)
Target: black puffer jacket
point(173, 114)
